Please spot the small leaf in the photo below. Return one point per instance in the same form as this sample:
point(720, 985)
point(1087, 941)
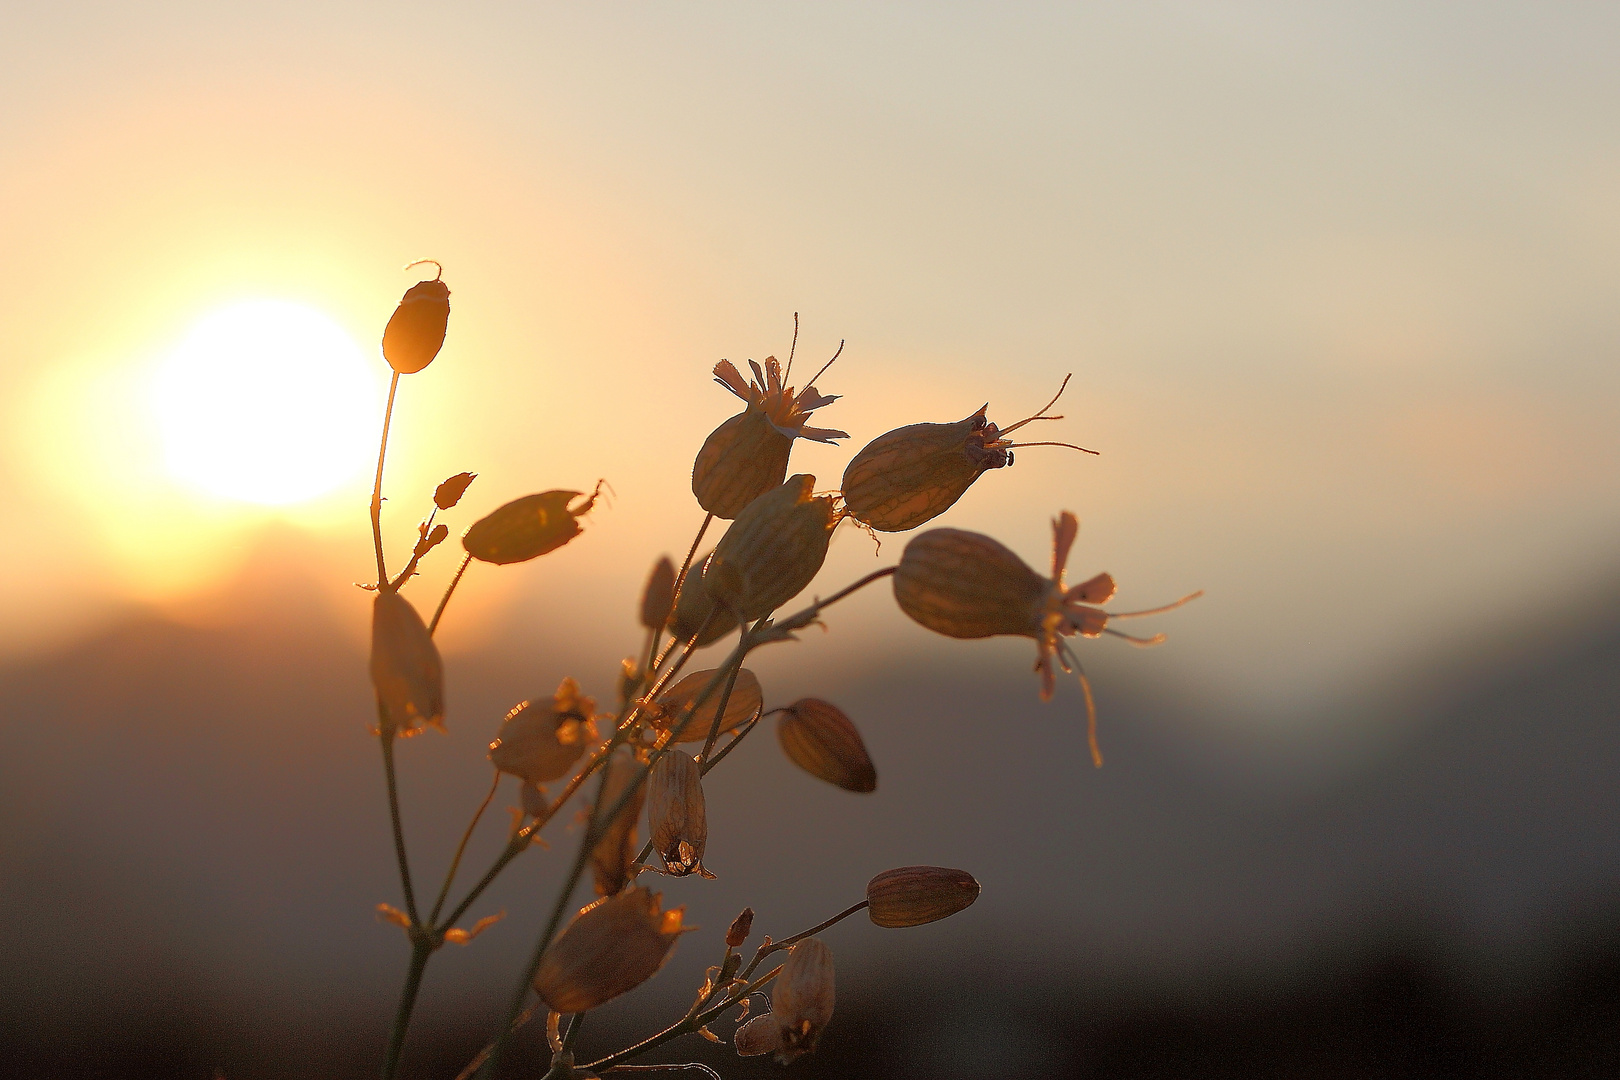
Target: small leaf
point(450, 492)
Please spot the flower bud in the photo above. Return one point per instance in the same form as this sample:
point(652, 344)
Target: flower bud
point(675, 813)
point(802, 1000)
point(539, 744)
point(966, 585)
point(450, 492)
point(772, 551)
point(405, 667)
point(741, 926)
point(819, 738)
point(528, 527)
point(759, 1036)
point(914, 895)
point(909, 475)
point(746, 699)
point(615, 853)
point(612, 946)
point(658, 598)
point(415, 331)
point(695, 610)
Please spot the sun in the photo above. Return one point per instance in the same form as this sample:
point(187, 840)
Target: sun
point(268, 402)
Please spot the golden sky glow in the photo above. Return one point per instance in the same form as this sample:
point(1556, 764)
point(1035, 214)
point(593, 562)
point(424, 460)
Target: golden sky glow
point(1337, 286)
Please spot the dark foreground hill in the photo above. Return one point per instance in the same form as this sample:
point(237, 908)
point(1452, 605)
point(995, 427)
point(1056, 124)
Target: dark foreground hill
point(192, 839)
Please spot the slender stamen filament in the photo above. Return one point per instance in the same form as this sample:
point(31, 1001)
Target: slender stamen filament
point(1041, 414)
point(1189, 598)
point(1071, 446)
point(1144, 642)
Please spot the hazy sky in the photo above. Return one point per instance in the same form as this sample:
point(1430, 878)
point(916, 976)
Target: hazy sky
point(1337, 284)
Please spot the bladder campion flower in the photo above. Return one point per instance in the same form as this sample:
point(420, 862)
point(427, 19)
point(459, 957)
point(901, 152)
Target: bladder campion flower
point(415, 332)
point(526, 528)
point(611, 947)
point(614, 855)
point(676, 816)
point(912, 474)
point(747, 455)
point(405, 667)
point(772, 551)
point(915, 895)
point(538, 743)
point(802, 1001)
point(966, 585)
point(747, 699)
point(818, 738)
point(696, 613)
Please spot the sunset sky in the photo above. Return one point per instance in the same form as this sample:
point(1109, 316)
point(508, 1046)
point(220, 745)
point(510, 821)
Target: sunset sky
point(1339, 287)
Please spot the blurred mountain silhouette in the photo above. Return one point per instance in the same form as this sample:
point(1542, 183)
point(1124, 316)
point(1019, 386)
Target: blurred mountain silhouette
point(193, 839)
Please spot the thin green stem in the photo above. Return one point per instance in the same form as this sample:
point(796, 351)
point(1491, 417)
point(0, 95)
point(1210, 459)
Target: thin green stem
point(683, 1026)
point(386, 738)
point(420, 952)
point(455, 863)
point(376, 487)
point(438, 612)
point(725, 697)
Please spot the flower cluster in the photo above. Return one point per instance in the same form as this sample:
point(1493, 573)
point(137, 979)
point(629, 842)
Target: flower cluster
point(954, 582)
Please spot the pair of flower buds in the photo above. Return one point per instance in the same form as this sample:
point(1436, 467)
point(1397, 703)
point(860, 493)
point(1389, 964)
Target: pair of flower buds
point(617, 943)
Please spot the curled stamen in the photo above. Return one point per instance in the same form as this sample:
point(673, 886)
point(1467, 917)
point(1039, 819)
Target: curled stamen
point(1041, 414)
point(1189, 598)
point(812, 383)
point(423, 262)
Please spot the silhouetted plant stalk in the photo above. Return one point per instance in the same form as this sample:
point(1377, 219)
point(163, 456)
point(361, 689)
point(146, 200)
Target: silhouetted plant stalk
point(957, 583)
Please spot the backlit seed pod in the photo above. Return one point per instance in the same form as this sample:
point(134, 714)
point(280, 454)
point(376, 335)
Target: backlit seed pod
point(911, 475)
point(741, 926)
point(405, 667)
point(748, 454)
point(818, 738)
point(611, 947)
point(415, 331)
point(759, 1036)
point(615, 853)
point(528, 527)
point(447, 494)
point(966, 585)
point(658, 598)
point(772, 551)
point(802, 1000)
point(667, 711)
point(676, 816)
point(695, 611)
point(914, 895)
point(540, 743)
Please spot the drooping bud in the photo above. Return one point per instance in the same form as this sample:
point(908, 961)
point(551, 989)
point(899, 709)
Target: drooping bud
point(746, 699)
point(676, 816)
point(415, 331)
point(611, 947)
point(760, 1035)
point(914, 895)
point(528, 527)
point(818, 738)
point(802, 1000)
point(447, 494)
point(695, 611)
point(405, 667)
point(966, 585)
point(615, 853)
point(658, 598)
point(772, 551)
point(748, 454)
point(541, 743)
point(912, 474)
point(741, 926)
